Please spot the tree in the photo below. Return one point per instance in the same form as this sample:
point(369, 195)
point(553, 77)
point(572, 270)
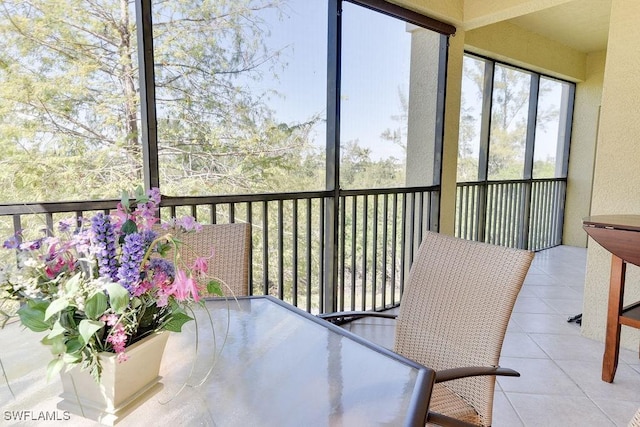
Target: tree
point(507, 139)
point(69, 90)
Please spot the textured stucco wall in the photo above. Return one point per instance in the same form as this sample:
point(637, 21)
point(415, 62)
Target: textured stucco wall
point(586, 115)
point(422, 118)
point(425, 46)
point(512, 44)
point(451, 131)
point(616, 186)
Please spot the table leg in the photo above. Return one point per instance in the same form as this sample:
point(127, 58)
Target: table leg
point(612, 338)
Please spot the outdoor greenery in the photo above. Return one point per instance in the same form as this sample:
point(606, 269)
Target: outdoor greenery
point(70, 119)
point(509, 116)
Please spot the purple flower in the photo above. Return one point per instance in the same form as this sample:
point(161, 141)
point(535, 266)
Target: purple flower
point(65, 225)
point(161, 265)
point(31, 246)
point(12, 242)
point(105, 244)
point(133, 251)
point(189, 223)
point(149, 236)
point(154, 195)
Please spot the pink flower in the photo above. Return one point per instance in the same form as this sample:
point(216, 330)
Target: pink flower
point(119, 217)
point(200, 265)
point(142, 287)
point(117, 337)
point(109, 319)
point(144, 216)
point(185, 286)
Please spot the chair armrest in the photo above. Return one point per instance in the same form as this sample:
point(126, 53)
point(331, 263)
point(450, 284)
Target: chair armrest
point(456, 373)
point(342, 317)
point(445, 421)
point(473, 371)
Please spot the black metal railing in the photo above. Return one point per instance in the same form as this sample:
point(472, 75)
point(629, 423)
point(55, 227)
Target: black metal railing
point(378, 234)
point(519, 213)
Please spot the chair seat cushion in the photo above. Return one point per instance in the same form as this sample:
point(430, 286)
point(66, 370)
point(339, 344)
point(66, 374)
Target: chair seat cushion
point(446, 402)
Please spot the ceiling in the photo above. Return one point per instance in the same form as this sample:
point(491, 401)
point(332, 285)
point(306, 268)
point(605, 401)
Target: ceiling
point(581, 24)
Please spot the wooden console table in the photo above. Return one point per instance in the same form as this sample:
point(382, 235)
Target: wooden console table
point(620, 235)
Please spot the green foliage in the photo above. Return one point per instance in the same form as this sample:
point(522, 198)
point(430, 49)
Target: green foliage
point(95, 305)
point(32, 315)
point(215, 288)
point(118, 297)
point(510, 102)
point(178, 319)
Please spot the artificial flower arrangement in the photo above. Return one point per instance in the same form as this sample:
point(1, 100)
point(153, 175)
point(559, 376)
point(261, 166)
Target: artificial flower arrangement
point(104, 283)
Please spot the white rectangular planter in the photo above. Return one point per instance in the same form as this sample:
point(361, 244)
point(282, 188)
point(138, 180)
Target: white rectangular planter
point(122, 385)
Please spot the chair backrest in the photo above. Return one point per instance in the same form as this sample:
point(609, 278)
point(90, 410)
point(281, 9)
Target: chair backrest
point(635, 421)
point(455, 308)
point(230, 245)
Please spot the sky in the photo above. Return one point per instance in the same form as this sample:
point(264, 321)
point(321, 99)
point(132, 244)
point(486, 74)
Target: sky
point(375, 65)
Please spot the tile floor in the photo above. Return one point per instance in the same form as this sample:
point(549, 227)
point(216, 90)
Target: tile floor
point(560, 369)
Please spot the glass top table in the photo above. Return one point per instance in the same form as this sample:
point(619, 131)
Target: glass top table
point(272, 365)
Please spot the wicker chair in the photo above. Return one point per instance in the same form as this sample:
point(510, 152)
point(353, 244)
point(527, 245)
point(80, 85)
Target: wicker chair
point(635, 422)
point(453, 316)
point(230, 244)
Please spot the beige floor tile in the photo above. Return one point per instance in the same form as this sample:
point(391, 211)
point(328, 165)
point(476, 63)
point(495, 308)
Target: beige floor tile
point(519, 344)
point(558, 411)
point(620, 411)
point(541, 323)
point(532, 305)
point(503, 413)
point(556, 292)
point(538, 376)
point(587, 375)
point(569, 347)
point(566, 307)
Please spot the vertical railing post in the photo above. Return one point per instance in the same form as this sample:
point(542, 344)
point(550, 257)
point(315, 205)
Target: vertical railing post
point(148, 119)
point(483, 155)
point(331, 211)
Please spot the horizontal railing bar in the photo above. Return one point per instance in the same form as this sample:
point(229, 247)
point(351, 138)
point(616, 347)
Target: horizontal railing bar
point(509, 181)
point(402, 190)
point(56, 207)
point(241, 198)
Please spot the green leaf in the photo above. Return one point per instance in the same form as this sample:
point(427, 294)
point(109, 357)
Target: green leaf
point(163, 248)
point(55, 307)
point(95, 306)
point(70, 359)
point(87, 328)
point(72, 286)
point(57, 344)
point(74, 346)
point(129, 227)
point(176, 321)
point(54, 368)
point(57, 330)
point(214, 288)
point(32, 316)
point(124, 200)
point(141, 195)
point(118, 297)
